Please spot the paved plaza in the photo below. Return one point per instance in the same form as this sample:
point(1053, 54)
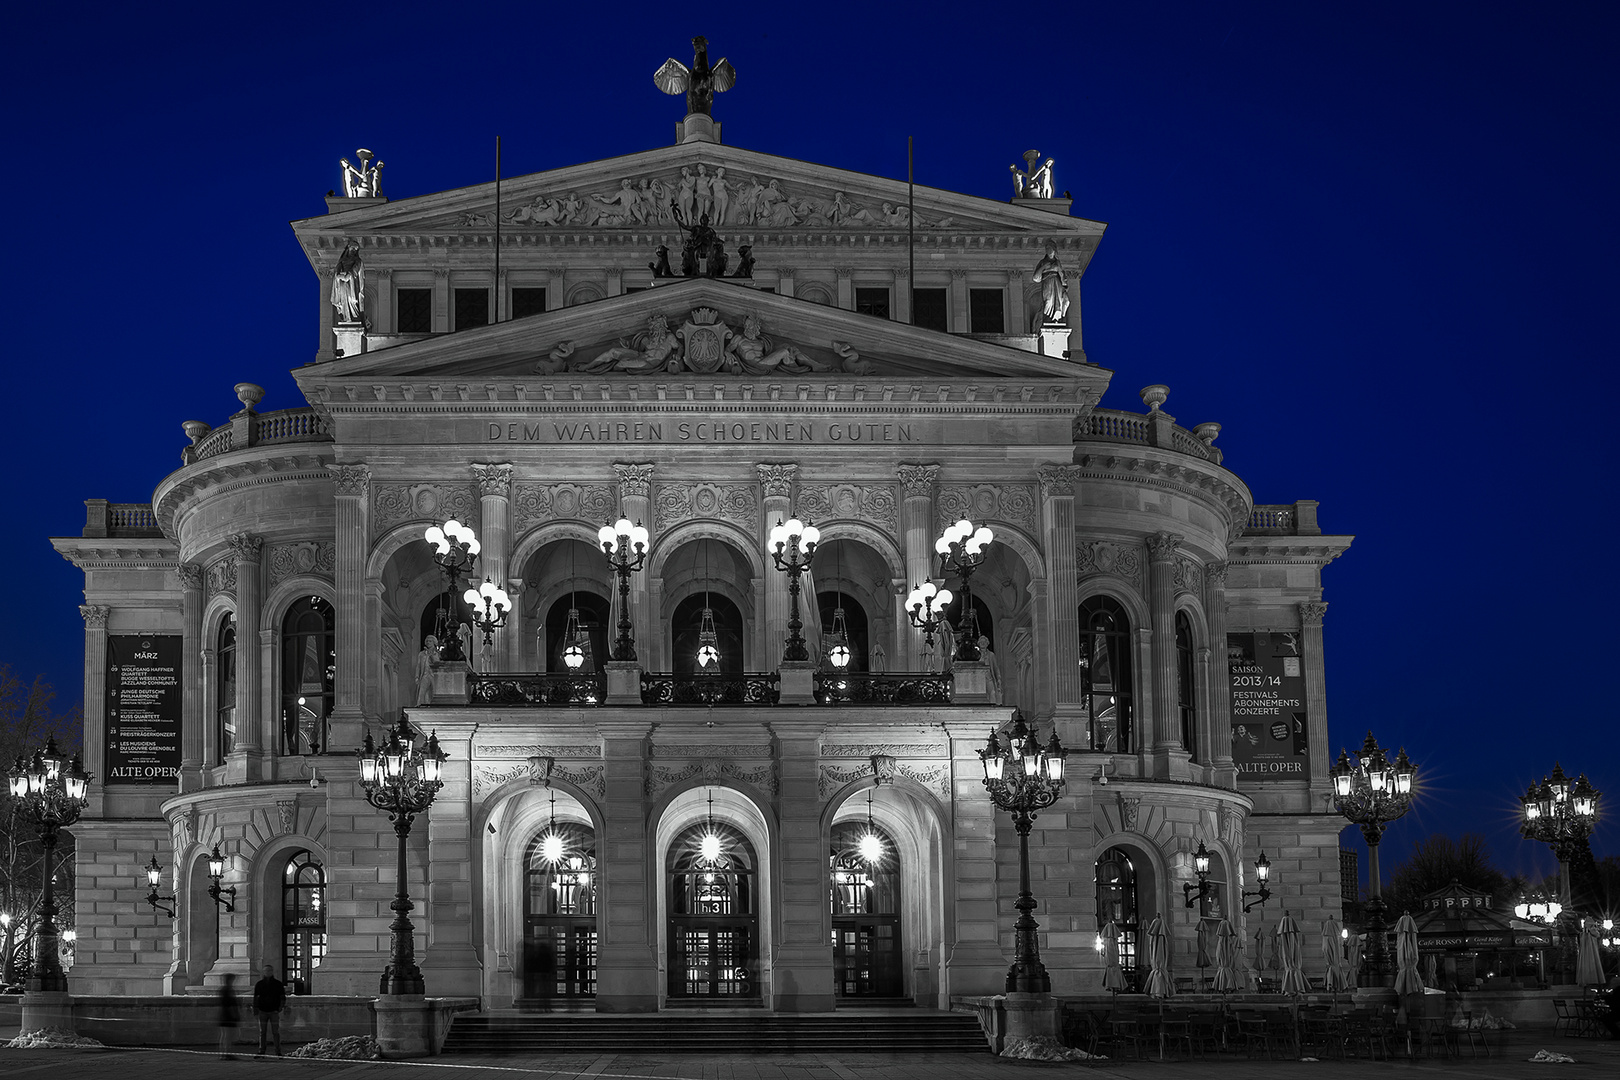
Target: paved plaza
point(1594, 1058)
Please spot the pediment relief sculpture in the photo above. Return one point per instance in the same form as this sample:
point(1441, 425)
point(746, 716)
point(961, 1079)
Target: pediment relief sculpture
point(703, 345)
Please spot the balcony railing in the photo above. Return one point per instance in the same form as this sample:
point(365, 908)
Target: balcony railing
point(896, 688)
point(748, 688)
point(254, 429)
point(1152, 429)
point(538, 688)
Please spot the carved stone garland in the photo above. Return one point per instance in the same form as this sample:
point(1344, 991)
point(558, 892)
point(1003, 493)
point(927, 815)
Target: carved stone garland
point(394, 503)
point(1012, 503)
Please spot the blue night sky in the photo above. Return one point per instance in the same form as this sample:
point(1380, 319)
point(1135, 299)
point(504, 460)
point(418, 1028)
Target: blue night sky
point(1375, 241)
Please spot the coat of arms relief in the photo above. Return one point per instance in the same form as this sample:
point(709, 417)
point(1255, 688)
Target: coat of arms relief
point(703, 345)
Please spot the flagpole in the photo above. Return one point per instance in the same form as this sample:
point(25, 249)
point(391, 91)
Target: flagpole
point(497, 289)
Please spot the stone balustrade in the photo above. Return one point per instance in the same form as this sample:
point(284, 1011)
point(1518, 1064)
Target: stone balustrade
point(1151, 429)
point(119, 520)
point(249, 428)
point(1287, 519)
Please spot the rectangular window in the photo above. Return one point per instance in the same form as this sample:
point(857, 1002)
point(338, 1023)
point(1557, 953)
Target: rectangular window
point(872, 302)
point(526, 302)
point(985, 312)
point(928, 309)
point(415, 308)
point(472, 308)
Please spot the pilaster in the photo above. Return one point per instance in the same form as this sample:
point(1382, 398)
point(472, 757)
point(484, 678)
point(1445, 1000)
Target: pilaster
point(626, 960)
point(1220, 678)
point(975, 964)
point(193, 716)
point(451, 960)
point(802, 971)
point(516, 628)
point(353, 488)
point(1311, 613)
point(95, 701)
point(1058, 651)
point(776, 487)
point(635, 503)
point(495, 515)
point(246, 761)
point(1162, 613)
point(917, 483)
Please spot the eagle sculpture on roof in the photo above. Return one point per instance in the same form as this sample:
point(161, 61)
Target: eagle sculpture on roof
point(699, 82)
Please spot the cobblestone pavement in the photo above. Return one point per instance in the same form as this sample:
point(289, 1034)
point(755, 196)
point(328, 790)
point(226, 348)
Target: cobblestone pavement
point(1593, 1058)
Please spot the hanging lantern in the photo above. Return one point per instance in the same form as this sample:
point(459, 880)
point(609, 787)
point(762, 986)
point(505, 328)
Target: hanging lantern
point(708, 642)
point(838, 654)
point(578, 645)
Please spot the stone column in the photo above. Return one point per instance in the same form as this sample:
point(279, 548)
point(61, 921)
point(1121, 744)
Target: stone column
point(846, 287)
point(441, 300)
point(917, 484)
point(1143, 729)
point(1162, 613)
point(802, 973)
point(959, 302)
point(627, 964)
point(327, 347)
point(975, 964)
point(270, 700)
point(450, 962)
point(210, 728)
point(1059, 653)
point(776, 483)
point(352, 485)
point(635, 503)
point(1220, 679)
point(495, 515)
point(1071, 723)
point(95, 701)
point(192, 712)
point(246, 761)
point(516, 629)
point(380, 303)
point(1310, 621)
point(902, 296)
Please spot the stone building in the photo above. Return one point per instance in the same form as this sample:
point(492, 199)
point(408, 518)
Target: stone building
point(881, 371)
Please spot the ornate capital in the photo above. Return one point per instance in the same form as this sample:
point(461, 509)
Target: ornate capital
point(902, 273)
point(494, 479)
point(1057, 480)
point(634, 480)
point(191, 576)
point(844, 272)
point(246, 547)
point(1311, 612)
point(918, 480)
point(350, 479)
point(95, 617)
point(958, 274)
point(1162, 546)
point(1215, 573)
point(441, 272)
point(777, 480)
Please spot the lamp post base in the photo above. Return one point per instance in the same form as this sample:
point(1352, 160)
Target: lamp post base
point(1028, 977)
point(1031, 1016)
point(47, 1009)
point(405, 1025)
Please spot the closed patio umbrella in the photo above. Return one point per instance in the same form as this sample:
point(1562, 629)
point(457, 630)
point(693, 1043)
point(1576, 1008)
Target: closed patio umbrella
point(1226, 958)
point(1206, 947)
point(1158, 980)
point(1407, 980)
point(1338, 970)
point(1589, 961)
point(1113, 974)
point(1262, 951)
point(1288, 950)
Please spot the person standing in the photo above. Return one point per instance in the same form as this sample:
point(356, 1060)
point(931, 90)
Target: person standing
point(268, 997)
point(230, 1015)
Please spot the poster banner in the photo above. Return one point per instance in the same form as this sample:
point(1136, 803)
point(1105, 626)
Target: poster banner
point(143, 708)
point(1269, 732)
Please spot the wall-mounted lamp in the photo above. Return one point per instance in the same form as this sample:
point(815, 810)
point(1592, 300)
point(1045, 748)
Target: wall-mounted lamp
point(216, 870)
point(1262, 874)
point(1194, 893)
point(154, 874)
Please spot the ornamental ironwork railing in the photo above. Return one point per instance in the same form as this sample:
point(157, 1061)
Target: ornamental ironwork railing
point(871, 688)
point(538, 688)
point(748, 688)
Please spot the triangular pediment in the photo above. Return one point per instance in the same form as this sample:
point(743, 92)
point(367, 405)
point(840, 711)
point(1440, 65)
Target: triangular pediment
point(750, 194)
point(704, 327)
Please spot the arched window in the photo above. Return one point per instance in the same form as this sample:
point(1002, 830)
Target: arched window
point(686, 628)
point(981, 619)
point(594, 622)
point(225, 689)
point(559, 909)
point(1105, 674)
point(1117, 904)
point(713, 920)
point(828, 605)
point(303, 921)
point(308, 667)
point(865, 881)
point(1186, 686)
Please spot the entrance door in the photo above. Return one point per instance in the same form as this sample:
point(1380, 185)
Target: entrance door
point(1117, 904)
point(713, 922)
point(303, 922)
point(865, 912)
point(559, 913)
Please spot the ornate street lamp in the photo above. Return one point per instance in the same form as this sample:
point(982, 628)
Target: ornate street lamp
point(490, 605)
point(1194, 893)
point(51, 791)
point(1262, 875)
point(1022, 778)
point(154, 877)
point(962, 548)
point(926, 605)
point(222, 897)
point(1371, 793)
point(401, 779)
point(455, 549)
point(625, 545)
point(1561, 815)
point(792, 543)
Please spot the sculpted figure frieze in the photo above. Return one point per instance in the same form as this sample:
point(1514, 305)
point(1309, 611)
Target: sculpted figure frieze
point(705, 345)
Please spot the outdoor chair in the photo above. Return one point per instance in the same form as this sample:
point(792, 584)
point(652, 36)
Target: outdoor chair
point(1586, 1021)
point(1125, 1031)
point(1565, 1021)
point(1322, 1033)
point(1205, 1030)
point(1436, 1037)
point(1477, 1037)
point(1175, 1030)
point(1255, 1033)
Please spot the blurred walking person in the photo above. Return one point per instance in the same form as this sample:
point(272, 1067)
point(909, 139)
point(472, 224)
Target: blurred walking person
point(230, 1015)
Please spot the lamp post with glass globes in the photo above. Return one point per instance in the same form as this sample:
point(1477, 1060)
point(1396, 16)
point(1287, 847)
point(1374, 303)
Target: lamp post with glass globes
point(51, 792)
point(401, 779)
point(1371, 793)
point(926, 605)
point(962, 548)
point(490, 605)
point(792, 545)
point(455, 549)
point(1024, 777)
point(625, 545)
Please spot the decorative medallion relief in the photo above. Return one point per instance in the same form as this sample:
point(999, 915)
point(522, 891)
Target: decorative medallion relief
point(488, 777)
point(935, 778)
point(866, 750)
point(1107, 557)
point(423, 502)
point(762, 778)
point(289, 560)
point(1013, 503)
point(871, 503)
point(1189, 576)
point(221, 577)
point(682, 502)
point(536, 503)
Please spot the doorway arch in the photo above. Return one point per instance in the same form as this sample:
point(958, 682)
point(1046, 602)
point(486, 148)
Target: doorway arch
point(560, 888)
point(864, 866)
point(1119, 902)
point(713, 889)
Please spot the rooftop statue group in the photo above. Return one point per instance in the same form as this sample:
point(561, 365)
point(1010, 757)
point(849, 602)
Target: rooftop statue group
point(1034, 181)
point(700, 82)
point(703, 345)
point(364, 182)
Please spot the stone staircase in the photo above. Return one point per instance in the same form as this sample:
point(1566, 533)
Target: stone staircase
point(863, 1031)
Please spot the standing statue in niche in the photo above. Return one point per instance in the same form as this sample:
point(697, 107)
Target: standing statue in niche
point(364, 182)
point(700, 82)
point(1037, 182)
point(992, 669)
point(464, 636)
point(348, 286)
point(879, 658)
point(1054, 285)
point(423, 669)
